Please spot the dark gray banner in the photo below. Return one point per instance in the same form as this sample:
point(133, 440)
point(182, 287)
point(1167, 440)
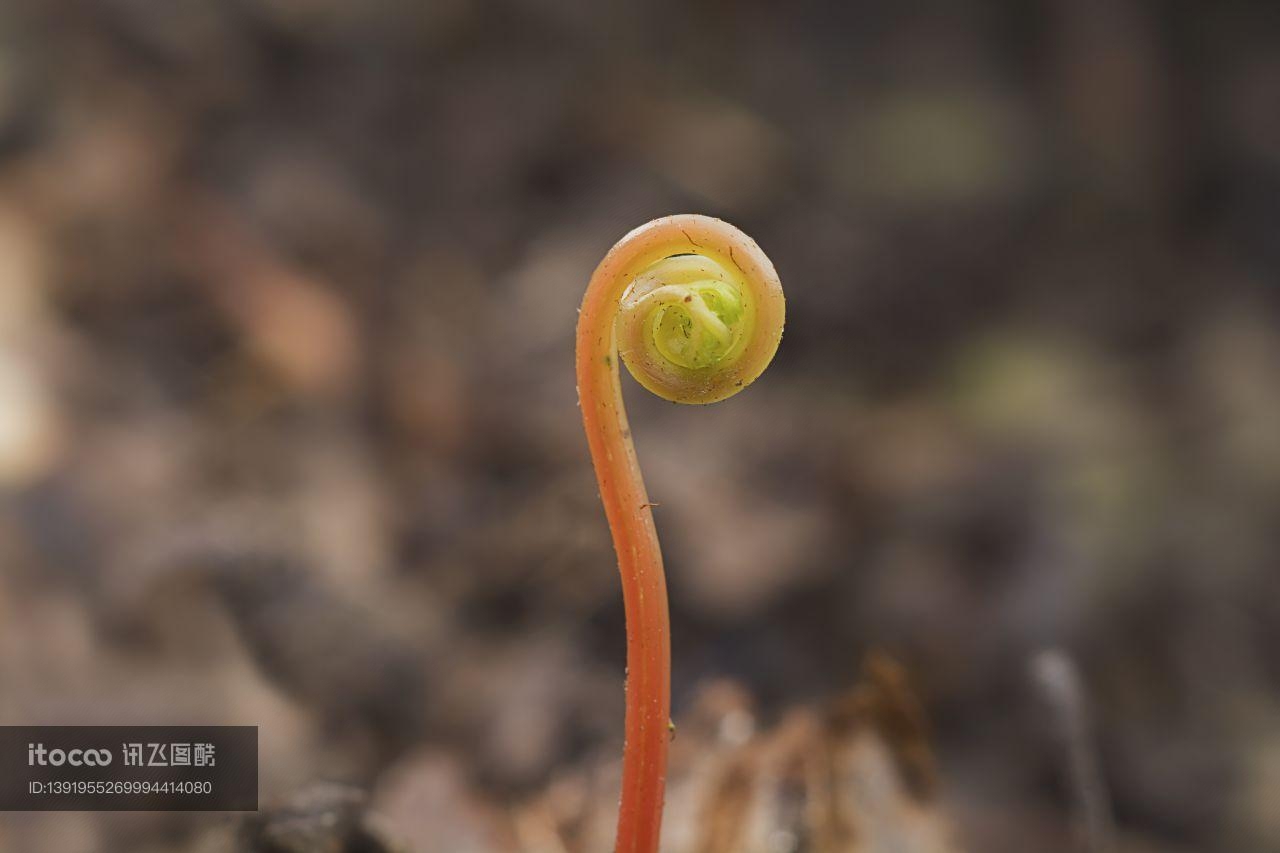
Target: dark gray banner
point(128, 768)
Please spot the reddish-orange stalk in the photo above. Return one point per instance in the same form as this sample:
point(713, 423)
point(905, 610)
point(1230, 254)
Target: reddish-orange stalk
point(644, 586)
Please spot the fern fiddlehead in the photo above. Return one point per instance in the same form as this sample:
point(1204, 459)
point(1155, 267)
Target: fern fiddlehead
point(695, 310)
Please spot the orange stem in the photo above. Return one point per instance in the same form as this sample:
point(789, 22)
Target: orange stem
point(635, 539)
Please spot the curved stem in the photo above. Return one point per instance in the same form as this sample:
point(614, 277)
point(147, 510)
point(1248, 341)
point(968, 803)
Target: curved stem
point(644, 585)
point(622, 490)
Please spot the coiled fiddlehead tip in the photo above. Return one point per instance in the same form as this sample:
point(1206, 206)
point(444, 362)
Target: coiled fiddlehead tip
point(703, 315)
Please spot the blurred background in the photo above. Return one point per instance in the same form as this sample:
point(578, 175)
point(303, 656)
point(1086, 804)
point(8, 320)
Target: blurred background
point(288, 433)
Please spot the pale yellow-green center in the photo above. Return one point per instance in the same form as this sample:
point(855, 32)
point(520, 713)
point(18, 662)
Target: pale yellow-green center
point(699, 327)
